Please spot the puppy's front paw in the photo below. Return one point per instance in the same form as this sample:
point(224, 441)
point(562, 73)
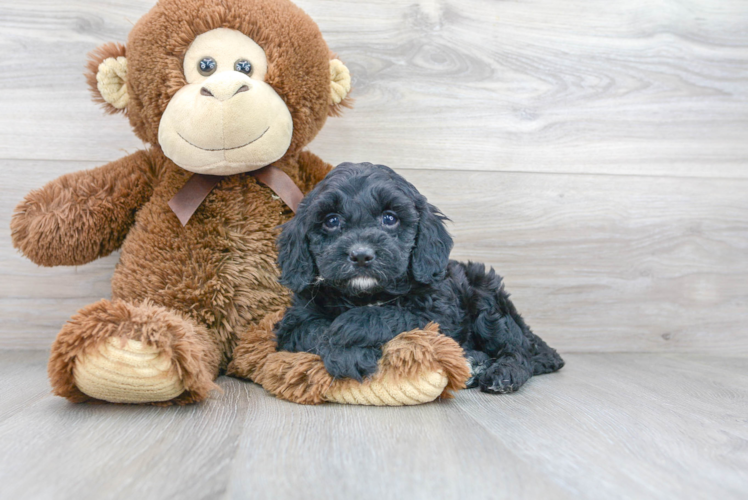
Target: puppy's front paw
point(352, 362)
point(505, 376)
point(479, 363)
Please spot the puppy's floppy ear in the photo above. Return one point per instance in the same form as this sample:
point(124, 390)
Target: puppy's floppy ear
point(430, 255)
point(294, 257)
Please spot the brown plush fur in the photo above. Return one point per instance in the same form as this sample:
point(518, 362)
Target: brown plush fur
point(302, 378)
point(186, 289)
point(191, 290)
point(218, 271)
point(83, 215)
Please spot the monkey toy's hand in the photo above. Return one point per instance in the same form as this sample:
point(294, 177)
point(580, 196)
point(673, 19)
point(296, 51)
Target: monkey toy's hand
point(83, 215)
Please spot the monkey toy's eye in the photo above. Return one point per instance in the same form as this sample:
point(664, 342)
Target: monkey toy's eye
point(389, 219)
point(207, 66)
point(332, 222)
point(243, 66)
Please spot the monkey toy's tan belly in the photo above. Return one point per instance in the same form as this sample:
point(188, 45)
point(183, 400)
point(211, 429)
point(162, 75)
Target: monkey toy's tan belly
point(220, 268)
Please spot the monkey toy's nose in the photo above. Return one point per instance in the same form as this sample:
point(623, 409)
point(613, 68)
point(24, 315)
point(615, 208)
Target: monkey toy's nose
point(362, 256)
point(223, 87)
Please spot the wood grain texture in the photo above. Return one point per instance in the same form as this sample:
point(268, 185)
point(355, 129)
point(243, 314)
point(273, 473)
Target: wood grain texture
point(647, 425)
point(54, 449)
point(630, 426)
point(23, 380)
point(609, 263)
point(594, 262)
point(528, 86)
point(343, 452)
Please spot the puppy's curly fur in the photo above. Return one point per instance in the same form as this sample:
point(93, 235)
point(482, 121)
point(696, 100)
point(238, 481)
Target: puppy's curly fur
point(368, 257)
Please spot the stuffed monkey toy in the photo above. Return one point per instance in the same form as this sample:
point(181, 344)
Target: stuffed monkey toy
point(225, 95)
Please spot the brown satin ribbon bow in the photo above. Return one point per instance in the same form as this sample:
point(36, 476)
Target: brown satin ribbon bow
point(196, 189)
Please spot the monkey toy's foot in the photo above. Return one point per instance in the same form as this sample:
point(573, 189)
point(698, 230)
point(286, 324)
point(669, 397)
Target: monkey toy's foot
point(127, 371)
point(416, 367)
point(119, 352)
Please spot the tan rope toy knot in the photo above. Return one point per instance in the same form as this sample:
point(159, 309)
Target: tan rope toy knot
point(111, 81)
point(340, 81)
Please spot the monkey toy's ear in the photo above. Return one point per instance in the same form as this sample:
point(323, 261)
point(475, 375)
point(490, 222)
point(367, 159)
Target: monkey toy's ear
point(340, 87)
point(107, 76)
point(294, 258)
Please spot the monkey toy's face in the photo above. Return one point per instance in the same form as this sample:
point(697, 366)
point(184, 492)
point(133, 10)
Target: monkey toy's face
point(226, 119)
point(222, 87)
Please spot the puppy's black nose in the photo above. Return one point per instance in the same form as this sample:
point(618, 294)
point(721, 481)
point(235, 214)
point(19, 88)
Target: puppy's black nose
point(361, 255)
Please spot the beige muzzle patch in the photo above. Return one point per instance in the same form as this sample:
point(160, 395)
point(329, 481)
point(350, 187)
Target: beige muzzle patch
point(225, 125)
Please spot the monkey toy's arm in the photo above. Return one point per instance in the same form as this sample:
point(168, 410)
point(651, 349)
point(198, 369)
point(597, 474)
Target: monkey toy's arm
point(83, 215)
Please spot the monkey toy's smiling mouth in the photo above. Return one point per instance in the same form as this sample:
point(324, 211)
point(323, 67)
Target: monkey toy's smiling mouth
point(243, 133)
point(223, 149)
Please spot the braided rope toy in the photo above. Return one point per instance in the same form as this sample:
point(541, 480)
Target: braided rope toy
point(416, 367)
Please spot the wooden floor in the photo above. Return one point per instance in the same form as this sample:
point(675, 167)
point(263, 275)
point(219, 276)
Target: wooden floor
point(606, 426)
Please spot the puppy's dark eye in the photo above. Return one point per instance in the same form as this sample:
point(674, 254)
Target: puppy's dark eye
point(207, 66)
point(331, 222)
point(389, 219)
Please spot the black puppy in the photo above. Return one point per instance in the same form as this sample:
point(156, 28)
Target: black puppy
point(368, 258)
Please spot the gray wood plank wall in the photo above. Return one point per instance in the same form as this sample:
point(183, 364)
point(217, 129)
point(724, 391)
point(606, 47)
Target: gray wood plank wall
point(594, 152)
